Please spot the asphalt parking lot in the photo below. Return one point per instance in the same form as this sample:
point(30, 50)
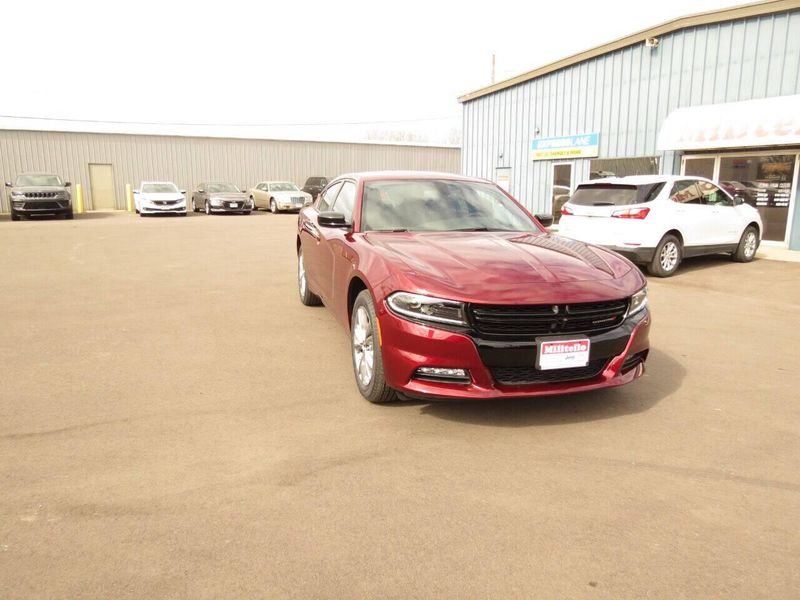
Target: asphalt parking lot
point(175, 424)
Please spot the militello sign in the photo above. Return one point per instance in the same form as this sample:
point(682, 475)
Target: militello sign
point(585, 145)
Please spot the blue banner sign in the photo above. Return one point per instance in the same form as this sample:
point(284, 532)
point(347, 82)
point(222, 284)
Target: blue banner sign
point(584, 145)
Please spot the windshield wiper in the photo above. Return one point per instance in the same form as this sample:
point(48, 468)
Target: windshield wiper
point(397, 230)
point(481, 229)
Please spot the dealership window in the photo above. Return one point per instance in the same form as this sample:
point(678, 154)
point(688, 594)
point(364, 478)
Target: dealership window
point(765, 180)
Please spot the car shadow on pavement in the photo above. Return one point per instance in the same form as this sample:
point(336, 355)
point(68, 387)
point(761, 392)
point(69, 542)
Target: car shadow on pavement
point(662, 378)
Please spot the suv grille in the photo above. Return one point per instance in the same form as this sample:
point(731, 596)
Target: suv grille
point(41, 194)
point(528, 375)
point(546, 319)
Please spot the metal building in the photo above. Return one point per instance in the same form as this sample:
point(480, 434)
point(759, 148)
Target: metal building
point(715, 94)
point(104, 163)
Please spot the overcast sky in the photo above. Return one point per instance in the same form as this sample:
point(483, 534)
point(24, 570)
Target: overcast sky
point(387, 66)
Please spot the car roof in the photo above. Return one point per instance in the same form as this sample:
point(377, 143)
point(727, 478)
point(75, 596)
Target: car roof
point(37, 173)
point(388, 175)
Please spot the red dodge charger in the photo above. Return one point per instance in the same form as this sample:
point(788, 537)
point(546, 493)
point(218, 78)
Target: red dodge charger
point(451, 289)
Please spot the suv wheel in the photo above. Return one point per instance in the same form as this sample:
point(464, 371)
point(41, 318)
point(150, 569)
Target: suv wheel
point(366, 350)
point(667, 257)
point(746, 251)
point(15, 216)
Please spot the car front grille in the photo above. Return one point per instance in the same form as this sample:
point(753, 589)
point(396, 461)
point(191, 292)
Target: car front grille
point(44, 205)
point(532, 375)
point(165, 202)
point(35, 195)
point(516, 321)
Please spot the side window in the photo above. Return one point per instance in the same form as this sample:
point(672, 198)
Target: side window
point(346, 200)
point(327, 197)
point(712, 195)
point(685, 192)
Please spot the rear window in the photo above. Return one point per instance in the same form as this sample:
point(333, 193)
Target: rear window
point(615, 194)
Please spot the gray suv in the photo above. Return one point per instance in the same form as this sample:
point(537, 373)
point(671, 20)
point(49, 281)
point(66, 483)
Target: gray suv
point(39, 194)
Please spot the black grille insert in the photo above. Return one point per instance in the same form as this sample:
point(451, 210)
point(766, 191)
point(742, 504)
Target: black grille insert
point(529, 375)
point(547, 319)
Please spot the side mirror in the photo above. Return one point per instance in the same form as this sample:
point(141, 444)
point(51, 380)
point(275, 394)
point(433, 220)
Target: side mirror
point(9, 184)
point(183, 191)
point(68, 184)
point(545, 219)
point(332, 219)
point(737, 200)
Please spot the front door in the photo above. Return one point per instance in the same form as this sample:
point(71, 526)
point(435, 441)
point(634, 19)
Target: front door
point(561, 189)
point(101, 187)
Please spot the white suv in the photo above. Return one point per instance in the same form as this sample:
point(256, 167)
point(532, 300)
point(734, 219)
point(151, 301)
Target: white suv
point(657, 220)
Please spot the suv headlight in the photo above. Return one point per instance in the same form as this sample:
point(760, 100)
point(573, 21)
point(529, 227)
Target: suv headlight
point(427, 308)
point(638, 301)
point(17, 194)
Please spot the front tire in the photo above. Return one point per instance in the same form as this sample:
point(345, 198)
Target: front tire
point(194, 206)
point(366, 352)
point(307, 297)
point(746, 251)
point(273, 207)
point(15, 216)
point(208, 208)
point(667, 257)
point(68, 216)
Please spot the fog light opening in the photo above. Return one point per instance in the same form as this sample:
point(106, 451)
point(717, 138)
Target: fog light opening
point(445, 374)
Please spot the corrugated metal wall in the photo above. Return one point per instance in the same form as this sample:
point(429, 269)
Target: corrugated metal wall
point(188, 161)
point(626, 95)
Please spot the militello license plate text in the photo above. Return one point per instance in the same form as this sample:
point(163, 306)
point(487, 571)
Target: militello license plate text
point(563, 354)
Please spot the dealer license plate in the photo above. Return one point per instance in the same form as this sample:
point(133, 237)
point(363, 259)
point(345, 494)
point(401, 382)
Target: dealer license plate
point(234, 205)
point(563, 354)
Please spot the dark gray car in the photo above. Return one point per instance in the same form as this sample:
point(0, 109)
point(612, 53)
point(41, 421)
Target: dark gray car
point(34, 194)
point(219, 197)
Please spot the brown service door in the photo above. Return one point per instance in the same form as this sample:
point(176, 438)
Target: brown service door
point(101, 183)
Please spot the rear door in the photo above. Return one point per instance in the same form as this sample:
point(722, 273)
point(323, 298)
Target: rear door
point(690, 216)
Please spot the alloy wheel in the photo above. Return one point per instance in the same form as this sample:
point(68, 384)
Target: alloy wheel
point(363, 350)
point(669, 256)
point(750, 244)
point(301, 275)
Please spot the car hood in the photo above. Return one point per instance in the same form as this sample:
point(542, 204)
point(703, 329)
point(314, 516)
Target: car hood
point(505, 266)
point(161, 195)
point(228, 195)
point(39, 188)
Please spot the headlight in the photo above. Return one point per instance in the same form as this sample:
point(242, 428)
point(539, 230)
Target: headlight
point(638, 301)
point(216, 202)
point(17, 194)
point(426, 308)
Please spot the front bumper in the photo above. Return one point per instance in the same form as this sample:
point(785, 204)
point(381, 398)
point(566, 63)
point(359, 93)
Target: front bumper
point(228, 207)
point(151, 208)
point(29, 208)
point(616, 358)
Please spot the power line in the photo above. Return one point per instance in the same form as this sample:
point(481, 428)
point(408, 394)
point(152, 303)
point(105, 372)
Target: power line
point(186, 124)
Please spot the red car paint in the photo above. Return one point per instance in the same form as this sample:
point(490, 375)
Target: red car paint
point(499, 268)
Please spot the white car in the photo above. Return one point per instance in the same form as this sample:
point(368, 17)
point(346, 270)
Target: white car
point(278, 196)
point(658, 220)
point(159, 197)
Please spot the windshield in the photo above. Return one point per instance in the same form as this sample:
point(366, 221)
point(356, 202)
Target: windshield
point(612, 194)
point(39, 180)
point(283, 187)
point(159, 188)
point(429, 205)
point(317, 181)
point(222, 188)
